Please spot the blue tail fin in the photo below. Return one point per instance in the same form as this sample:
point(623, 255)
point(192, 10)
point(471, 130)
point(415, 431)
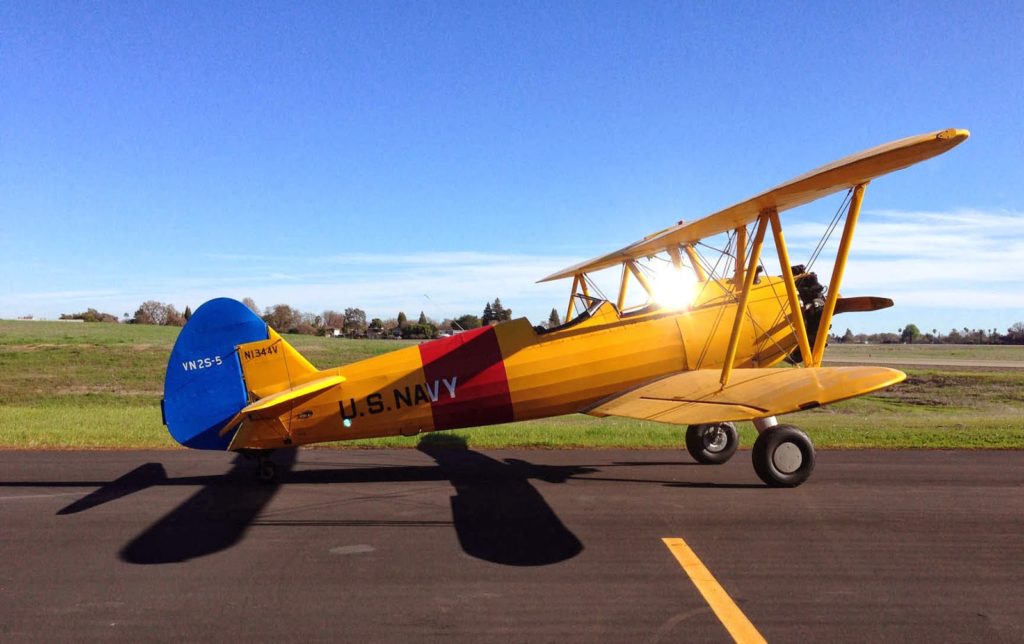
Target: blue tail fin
point(203, 388)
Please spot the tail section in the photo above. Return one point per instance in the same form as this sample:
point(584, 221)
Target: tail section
point(224, 358)
point(271, 365)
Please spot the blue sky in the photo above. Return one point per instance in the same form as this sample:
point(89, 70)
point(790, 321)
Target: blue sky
point(374, 154)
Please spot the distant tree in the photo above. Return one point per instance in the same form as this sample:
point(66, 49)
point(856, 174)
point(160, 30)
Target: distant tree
point(90, 315)
point(174, 318)
point(309, 324)
point(282, 318)
point(355, 322)
point(488, 316)
point(333, 319)
point(910, 334)
point(467, 321)
point(1015, 334)
point(188, 313)
point(847, 337)
point(390, 325)
point(402, 320)
point(422, 319)
point(419, 331)
point(149, 312)
point(501, 314)
point(153, 312)
point(251, 305)
point(376, 324)
point(553, 319)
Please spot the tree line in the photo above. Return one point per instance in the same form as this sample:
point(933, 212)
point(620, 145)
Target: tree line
point(912, 334)
point(350, 322)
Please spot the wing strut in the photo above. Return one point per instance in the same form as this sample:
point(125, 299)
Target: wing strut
point(578, 281)
point(741, 253)
point(640, 277)
point(796, 316)
point(741, 307)
point(837, 274)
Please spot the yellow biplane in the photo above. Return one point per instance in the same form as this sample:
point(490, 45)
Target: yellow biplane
point(702, 349)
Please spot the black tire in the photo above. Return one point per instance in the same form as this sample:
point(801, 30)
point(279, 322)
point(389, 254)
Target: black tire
point(267, 471)
point(713, 443)
point(775, 460)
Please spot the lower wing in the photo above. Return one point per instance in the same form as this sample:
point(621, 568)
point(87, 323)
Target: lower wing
point(694, 397)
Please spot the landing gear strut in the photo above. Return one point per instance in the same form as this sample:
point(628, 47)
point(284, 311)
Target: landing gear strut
point(713, 443)
point(783, 456)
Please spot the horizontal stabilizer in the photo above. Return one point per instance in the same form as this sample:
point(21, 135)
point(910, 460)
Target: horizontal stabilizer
point(283, 398)
point(694, 397)
point(862, 304)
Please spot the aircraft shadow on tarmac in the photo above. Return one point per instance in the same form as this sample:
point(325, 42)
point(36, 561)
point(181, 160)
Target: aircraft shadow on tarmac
point(497, 514)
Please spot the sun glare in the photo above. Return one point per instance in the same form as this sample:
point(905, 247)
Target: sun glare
point(674, 289)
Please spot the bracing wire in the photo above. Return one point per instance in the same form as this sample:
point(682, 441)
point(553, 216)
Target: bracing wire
point(836, 218)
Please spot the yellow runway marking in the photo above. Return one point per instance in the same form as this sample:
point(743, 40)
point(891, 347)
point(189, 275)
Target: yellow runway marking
point(725, 608)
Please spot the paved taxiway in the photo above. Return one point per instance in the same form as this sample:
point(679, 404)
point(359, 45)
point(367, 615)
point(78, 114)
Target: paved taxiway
point(444, 544)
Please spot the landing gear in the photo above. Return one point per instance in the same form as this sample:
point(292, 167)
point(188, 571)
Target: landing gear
point(266, 470)
point(783, 456)
point(712, 444)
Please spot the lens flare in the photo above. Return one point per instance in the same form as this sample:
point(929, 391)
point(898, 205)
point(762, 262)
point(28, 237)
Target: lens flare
point(674, 289)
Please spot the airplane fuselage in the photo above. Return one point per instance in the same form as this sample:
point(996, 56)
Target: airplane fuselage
point(513, 372)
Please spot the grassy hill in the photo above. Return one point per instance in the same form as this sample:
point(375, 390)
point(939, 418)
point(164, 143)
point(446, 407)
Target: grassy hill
point(67, 385)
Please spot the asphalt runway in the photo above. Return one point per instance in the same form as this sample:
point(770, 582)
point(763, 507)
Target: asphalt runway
point(441, 544)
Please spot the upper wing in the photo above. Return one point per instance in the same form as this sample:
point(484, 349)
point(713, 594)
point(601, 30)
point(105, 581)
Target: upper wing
point(694, 397)
point(834, 177)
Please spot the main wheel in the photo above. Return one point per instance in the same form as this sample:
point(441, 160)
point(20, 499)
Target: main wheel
point(783, 456)
point(712, 444)
point(267, 470)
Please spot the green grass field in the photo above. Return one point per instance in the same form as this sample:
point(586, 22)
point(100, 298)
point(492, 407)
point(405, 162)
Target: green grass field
point(66, 385)
point(996, 353)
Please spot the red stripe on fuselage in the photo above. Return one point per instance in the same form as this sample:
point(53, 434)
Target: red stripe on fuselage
point(472, 361)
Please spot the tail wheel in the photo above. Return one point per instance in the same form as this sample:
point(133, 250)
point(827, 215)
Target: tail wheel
point(783, 456)
point(266, 470)
point(712, 444)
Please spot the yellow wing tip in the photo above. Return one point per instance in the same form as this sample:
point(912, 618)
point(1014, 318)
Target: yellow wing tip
point(953, 134)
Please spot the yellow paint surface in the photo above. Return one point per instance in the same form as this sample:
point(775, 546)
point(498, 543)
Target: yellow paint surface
point(695, 397)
